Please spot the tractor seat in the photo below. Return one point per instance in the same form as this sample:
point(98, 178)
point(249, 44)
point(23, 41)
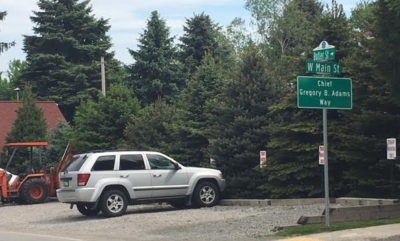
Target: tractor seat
point(11, 178)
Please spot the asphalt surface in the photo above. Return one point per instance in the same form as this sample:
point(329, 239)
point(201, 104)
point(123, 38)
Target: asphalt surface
point(22, 236)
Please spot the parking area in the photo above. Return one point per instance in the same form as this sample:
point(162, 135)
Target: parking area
point(152, 222)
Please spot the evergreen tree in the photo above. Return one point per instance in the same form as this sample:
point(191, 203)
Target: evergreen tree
point(191, 138)
point(64, 53)
point(387, 50)
point(313, 9)
point(202, 36)
point(3, 45)
point(30, 124)
point(292, 169)
point(100, 124)
point(58, 139)
point(238, 129)
point(336, 30)
point(156, 72)
point(151, 128)
point(360, 147)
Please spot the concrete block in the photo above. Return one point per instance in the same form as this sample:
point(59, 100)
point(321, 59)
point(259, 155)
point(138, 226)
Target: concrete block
point(357, 213)
point(245, 202)
point(298, 201)
point(281, 228)
point(352, 201)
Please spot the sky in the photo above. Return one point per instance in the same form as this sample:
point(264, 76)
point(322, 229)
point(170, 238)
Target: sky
point(127, 19)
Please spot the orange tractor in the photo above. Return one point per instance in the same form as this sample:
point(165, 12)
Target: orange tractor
point(35, 187)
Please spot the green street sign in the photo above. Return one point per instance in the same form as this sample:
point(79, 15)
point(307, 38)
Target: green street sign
point(324, 52)
point(324, 93)
point(314, 67)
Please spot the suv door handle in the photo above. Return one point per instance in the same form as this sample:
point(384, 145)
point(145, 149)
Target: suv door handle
point(157, 175)
point(124, 176)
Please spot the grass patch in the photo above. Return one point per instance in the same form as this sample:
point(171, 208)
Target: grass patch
point(319, 228)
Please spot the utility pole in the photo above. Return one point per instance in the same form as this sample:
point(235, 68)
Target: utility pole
point(103, 77)
point(17, 89)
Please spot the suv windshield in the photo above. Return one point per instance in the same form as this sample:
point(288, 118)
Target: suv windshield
point(76, 163)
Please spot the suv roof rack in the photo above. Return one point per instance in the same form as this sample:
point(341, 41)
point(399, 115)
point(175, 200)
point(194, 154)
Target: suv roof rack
point(108, 150)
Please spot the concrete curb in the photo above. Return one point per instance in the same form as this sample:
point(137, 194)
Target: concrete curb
point(352, 214)
point(344, 201)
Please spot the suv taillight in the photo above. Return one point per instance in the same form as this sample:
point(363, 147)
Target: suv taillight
point(83, 179)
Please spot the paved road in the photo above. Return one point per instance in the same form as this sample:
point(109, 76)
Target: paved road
point(22, 236)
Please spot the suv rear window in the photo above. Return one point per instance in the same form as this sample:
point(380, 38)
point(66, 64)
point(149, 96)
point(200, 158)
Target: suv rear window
point(104, 163)
point(76, 163)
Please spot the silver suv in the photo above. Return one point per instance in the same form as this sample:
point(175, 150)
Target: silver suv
point(109, 181)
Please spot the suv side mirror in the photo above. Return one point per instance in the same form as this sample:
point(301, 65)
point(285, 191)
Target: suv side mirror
point(176, 165)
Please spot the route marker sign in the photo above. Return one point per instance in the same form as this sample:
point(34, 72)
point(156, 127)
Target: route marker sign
point(314, 67)
point(324, 93)
point(324, 52)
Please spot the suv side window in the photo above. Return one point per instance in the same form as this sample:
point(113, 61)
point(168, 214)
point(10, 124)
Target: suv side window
point(159, 162)
point(104, 163)
point(131, 162)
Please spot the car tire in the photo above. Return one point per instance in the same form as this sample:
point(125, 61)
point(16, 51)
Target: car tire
point(113, 203)
point(87, 209)
point(206, 194)
point(34, 191)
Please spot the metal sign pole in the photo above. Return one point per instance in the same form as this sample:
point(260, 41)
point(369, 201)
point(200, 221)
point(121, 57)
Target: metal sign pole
point(326, 175)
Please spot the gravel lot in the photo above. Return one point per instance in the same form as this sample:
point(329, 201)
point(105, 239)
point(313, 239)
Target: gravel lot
point(153, 222)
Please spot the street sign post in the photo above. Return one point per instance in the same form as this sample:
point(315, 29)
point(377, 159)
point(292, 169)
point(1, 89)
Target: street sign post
point(391, 148)
point(324, 52)
point(324, 92)
point(314, 67)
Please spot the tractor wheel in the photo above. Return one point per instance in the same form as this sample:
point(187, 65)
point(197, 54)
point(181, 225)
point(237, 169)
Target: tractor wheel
point(34, 191)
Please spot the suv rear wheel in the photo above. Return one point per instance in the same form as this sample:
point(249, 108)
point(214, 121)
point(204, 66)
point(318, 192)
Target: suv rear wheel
point(87, 209)
point(206, 194)
point(113, 203)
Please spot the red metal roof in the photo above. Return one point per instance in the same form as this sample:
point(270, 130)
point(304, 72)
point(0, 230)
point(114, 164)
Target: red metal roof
point(8, 115)
point(27, 144)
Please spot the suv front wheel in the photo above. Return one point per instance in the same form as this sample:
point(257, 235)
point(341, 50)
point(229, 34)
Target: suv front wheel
point(206, 194)
point(113, 203)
